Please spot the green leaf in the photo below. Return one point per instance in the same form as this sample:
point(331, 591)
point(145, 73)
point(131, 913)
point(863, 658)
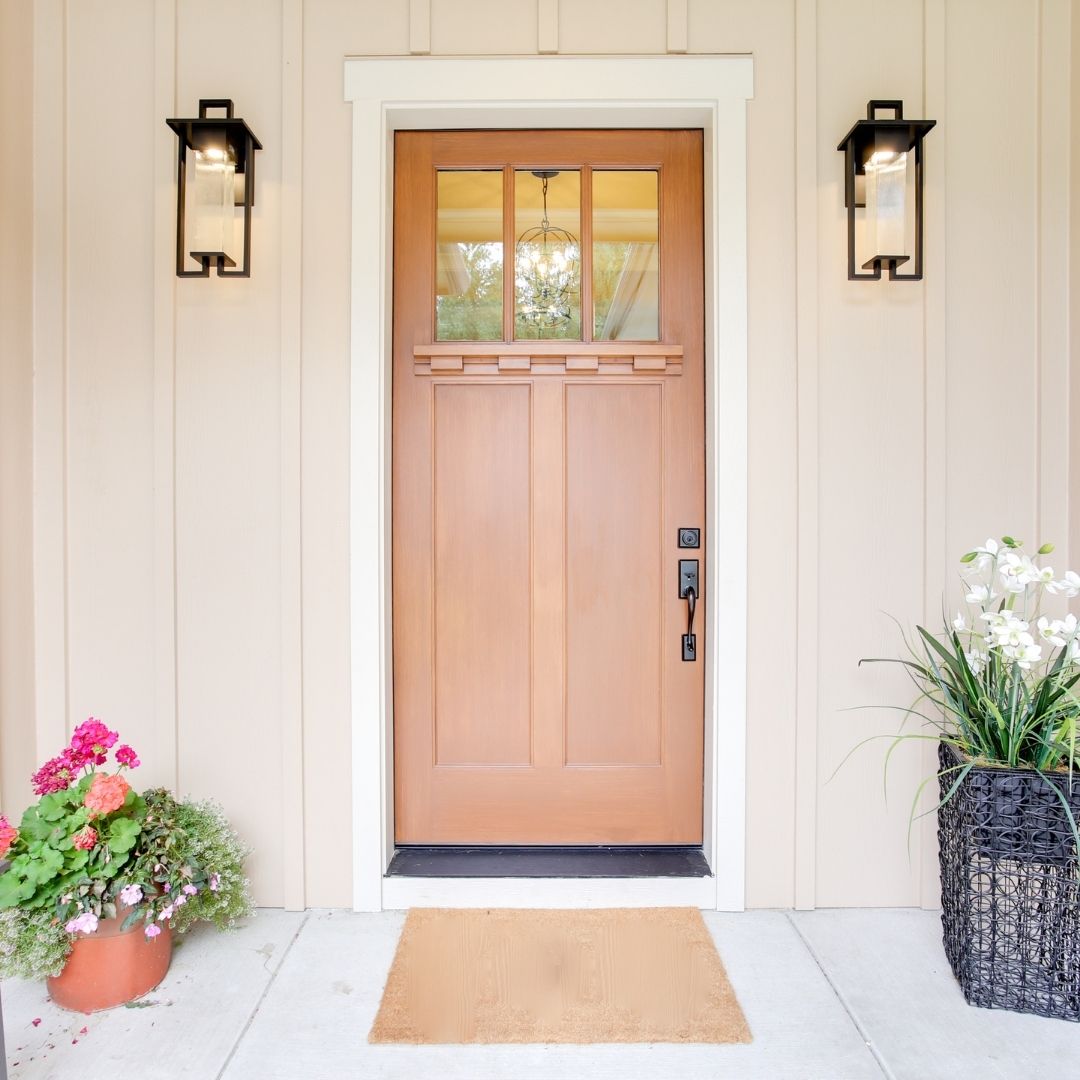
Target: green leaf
point(123, 832)
point(32, 827)
point(53, 807)
point(76, 860)
point(44, 865)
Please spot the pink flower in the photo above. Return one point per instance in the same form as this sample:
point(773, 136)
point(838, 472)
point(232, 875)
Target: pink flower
point(180, 901)
point(215, 882)
point(91, 739)
point(131, 895)
point(152, 931)
point(57, 773)
point(8, 835)
point(85, 839)
point(86, 923)
point(126, 757)
point(166, 913)
point(167, 887)
point(190, 890)
point(106, 794)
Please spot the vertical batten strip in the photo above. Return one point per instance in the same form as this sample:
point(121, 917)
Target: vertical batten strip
point(547, 26)
point(419, 27)
point(165, 703)
point(50, 345)
point(369, 461)
point(936, 561)
point(292, 710)
point(1052, 276)
point(678, 29)
point(806, 240)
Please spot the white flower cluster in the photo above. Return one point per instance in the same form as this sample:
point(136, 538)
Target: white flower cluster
point(1004, 573)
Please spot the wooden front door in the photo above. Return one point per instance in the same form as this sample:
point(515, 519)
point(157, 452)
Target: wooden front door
point(548, 447)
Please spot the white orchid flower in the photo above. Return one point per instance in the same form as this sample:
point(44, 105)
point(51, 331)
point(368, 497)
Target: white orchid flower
point(979, 594)
point(1024, 654)
point(1074, 651)
point(1016, 572)
point(1013, 634)
point(987, 554)
point(976, 660)
point(1042, 575)
point(996, 618)
point(1068, 586)
point(1050, 632)
point(960, 623)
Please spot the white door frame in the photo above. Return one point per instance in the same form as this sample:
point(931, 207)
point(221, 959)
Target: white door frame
point(391, 94)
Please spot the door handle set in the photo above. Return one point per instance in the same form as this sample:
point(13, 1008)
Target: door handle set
point(689, 590)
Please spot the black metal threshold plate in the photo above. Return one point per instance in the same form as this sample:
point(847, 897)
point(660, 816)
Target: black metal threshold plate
point(548, 862)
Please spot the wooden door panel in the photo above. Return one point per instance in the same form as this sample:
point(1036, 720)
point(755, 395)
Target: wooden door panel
point(539, 691)
point(482, 616)
point(614, 610)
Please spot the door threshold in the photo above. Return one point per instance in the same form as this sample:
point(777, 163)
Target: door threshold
point(459, 861)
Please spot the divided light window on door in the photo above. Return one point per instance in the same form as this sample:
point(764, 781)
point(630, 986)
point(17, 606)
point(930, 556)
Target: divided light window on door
point(548, 460)
point(620, 259)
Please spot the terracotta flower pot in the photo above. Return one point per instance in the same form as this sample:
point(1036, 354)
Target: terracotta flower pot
point(111, 967)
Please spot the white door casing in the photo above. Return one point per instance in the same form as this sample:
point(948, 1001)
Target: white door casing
point(390, 94)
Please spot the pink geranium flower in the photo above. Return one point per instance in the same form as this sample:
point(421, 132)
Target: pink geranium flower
point(85, 838)
point(8, 835)
point(152, 931)
point(57, 773)
point(106, 794)
point(92, 739)
point(190, 890)
point(127, 757)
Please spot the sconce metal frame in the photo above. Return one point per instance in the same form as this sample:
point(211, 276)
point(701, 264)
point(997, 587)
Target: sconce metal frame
point(907, 135)
point(241, 143)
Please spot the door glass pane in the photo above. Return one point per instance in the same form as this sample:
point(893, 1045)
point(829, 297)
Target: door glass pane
point(469, 257)
point(547, 268)
point(626, 256)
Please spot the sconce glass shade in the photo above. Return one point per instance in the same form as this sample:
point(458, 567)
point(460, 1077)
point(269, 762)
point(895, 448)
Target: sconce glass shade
point(883, 177)
point(213, 201)
point(215, 174)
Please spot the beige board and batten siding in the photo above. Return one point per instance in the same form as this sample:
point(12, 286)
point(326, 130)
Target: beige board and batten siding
point(182, 451)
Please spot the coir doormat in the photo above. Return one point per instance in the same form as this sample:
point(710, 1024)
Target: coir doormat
point(614, 975)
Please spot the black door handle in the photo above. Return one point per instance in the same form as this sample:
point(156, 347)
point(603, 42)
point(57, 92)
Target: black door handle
point(689, 641)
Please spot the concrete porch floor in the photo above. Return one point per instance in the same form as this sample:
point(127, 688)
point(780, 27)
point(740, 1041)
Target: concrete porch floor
point(829, 995)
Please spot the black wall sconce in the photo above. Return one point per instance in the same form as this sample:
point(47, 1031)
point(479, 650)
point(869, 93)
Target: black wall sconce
point(220, 151)
point(883, 175)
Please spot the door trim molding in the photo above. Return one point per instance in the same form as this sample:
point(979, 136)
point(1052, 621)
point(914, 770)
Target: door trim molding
point(402, 93)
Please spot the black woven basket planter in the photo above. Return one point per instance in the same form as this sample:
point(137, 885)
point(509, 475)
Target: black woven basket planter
point(1010, 888)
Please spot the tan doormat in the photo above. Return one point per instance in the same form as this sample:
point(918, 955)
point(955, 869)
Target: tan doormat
point(613, 975)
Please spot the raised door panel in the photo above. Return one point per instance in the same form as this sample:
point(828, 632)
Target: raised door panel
point(482, 639)
point(614, 608)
